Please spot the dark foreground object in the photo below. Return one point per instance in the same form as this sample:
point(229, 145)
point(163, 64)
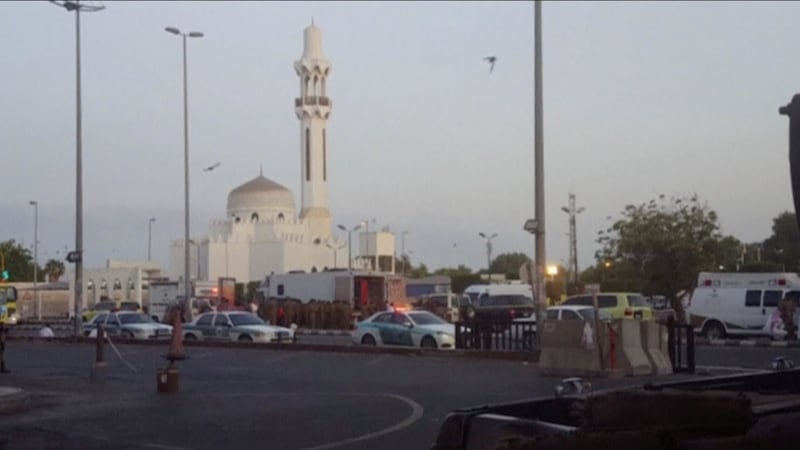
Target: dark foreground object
point(755, 411)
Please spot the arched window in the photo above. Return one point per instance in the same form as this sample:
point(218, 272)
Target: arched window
point(254, 217)
point(324, 156)
point(237, 219)
point(90, 285)
point(308, 87)
point(103, 284)
point(308, 154)
point(316, 86)
point(314, 269)
point(131, 284)
point(281, 218)
point(117, 284)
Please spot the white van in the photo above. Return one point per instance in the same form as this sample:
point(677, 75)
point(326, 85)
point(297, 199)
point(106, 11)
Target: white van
point(476, 290)
point(738, 303)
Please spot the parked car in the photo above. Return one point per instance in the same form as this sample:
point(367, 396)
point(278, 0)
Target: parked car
point(109, 306)
point(239, 326)
point(497, 307)
point(620, 305)
point(444, 305)
point(128, 325)
point(405, 328)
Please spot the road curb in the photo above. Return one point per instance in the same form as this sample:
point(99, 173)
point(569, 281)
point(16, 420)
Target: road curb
point(299, 346)
point(746, 343)
point(300, 331)
point(13, 400)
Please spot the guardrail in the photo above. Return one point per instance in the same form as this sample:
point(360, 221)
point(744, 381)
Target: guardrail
point(495, 335)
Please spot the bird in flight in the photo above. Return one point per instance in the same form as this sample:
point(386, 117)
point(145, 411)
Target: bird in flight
point(491, 60)
point(211, 167)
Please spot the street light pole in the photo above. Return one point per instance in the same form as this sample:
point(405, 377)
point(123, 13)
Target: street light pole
point(539, 165)
point(403, 252)
point(349, 244)
point(150, 236)
point(488, 254)
point(75, 6)
point(35, 205)
point(186, 281)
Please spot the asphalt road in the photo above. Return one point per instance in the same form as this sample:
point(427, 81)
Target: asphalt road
point(252, 398)
point(743, 357)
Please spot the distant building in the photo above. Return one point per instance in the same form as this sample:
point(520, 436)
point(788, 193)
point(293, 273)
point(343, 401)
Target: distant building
point(263, 232)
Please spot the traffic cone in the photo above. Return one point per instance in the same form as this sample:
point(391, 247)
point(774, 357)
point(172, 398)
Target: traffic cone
point(176, 351)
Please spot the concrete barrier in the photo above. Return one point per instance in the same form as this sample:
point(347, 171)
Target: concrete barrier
point(653, 341)
point(564, 351)
point(630, 354)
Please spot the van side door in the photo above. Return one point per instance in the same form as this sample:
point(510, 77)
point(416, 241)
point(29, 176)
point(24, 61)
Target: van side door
point(753, 317)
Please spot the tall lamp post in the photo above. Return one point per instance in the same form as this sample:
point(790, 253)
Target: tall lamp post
point(35, 205)
point(77, 255)
point(403, 252)
point(349, 244)
point(488, 254)
point(335, 247)
point(186, 288)
point(150, 236)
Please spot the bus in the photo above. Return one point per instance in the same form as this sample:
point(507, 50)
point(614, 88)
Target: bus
point(8, 304)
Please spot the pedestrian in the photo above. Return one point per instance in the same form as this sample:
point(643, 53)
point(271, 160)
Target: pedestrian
point(46, 332)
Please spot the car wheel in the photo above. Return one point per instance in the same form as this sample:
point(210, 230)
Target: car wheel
point(127, 335)
point(245, 338)
point(190, 337)
point(428, 342)
point(714, 330)
point(368, 340)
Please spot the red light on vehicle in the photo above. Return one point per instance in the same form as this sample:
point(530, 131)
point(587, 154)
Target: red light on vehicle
point(628, 312)
point(707, 283)
point(781, 282)
point(512, 313)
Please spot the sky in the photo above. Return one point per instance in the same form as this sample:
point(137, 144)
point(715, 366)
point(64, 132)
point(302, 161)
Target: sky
point(640, 99)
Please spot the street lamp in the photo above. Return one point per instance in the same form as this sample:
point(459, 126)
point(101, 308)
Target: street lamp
point(35, 205)
point(488, 254)
point(77, 256)
point(192, 34)
point(403, 252)
point(150, 236)
point(349, 244)
point(335, 248)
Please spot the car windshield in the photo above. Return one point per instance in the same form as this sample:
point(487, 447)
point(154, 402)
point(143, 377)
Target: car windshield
point(245, 319)
point(422, 318)
point(588, 315)
point(135, 318)
point(637, 300)
point(129, 306)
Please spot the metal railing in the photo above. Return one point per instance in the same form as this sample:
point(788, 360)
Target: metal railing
point(495, 335)
point(680, 344)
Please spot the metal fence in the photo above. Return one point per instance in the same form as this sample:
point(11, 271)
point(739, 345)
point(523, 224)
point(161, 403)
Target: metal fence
point(495, 335)
point(680, 343)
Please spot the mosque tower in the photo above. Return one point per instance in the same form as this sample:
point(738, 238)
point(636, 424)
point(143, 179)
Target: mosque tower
point(313, 108)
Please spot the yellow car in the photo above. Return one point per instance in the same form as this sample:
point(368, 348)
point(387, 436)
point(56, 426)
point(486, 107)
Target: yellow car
point(620, 305)
point(108, 306)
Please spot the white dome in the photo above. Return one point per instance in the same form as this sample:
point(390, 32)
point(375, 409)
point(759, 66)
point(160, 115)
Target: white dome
point(261, 198)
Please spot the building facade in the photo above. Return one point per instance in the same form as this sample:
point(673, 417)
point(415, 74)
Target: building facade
point(263, 231)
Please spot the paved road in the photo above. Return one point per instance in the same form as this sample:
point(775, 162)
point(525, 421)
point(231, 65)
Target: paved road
point(744, 357)
point(250, 398)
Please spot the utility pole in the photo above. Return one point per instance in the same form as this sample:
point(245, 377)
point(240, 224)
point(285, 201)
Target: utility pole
point(538, 157)
point(573, 211)
point(36, 297)
point(488, 254)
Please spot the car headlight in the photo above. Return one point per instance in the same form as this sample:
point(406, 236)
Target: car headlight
point(444, 334)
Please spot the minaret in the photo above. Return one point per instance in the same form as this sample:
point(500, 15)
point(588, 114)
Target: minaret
point(313, 108)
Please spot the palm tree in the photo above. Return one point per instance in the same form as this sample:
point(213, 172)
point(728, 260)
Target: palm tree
point(54, 269)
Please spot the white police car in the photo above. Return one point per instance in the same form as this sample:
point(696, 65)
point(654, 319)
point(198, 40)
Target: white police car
point(407, 329)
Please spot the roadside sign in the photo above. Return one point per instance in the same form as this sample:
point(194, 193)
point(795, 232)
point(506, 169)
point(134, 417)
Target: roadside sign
point(592, 288)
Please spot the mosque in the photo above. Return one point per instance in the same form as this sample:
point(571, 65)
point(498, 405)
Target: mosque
point(263, 232)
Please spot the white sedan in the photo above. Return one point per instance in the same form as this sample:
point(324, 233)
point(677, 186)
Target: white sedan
point(408, 329)
point(238, 326)
point(128, 325)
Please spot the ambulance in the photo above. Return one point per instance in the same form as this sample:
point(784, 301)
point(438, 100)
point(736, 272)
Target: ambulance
point(740, 304)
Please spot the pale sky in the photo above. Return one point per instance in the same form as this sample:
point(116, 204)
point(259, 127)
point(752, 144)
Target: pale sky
point(640, 98)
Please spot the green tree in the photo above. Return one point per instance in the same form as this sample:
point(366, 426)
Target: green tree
point(461, 270)
point(665, 243)
point(783, 247)
point(17, 260)
point(728, 254)
point(54, 269)
point(509, 264)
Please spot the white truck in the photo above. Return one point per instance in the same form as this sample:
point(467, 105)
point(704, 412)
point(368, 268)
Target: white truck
point(163, 294)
